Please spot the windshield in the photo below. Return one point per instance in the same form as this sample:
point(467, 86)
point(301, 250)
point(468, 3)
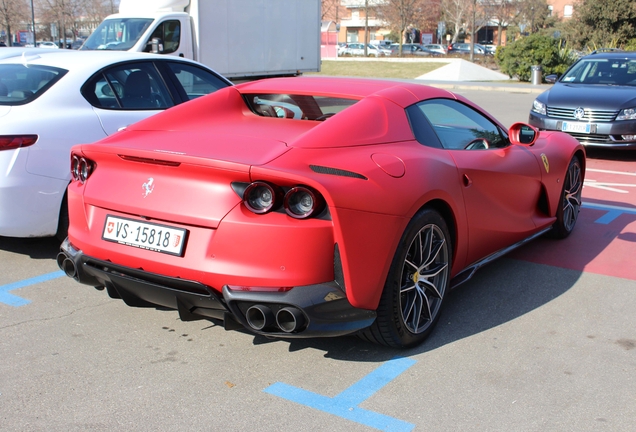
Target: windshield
point(602, 71)
point(119, 34)
point(20, 84)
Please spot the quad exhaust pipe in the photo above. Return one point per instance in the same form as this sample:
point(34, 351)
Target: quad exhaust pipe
point(260, 317)
point(65, 263)
point(288, 319)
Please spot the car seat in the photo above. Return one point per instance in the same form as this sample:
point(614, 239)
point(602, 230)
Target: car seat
point(4, 91)
point(137, 92)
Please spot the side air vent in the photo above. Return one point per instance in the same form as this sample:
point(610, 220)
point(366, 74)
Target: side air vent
point(335, 171)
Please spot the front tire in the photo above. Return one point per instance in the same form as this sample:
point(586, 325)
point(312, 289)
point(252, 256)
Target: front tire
point(416, 285)
point(570, 202)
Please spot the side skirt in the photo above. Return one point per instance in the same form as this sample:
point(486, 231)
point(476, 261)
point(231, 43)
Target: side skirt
point(469, 271)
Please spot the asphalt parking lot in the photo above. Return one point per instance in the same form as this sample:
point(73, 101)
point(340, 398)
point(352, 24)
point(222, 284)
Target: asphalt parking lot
point(541, 340)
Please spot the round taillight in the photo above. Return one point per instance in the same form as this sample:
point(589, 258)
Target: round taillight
point(75, 167)
point(259, 197)
point(301, 202)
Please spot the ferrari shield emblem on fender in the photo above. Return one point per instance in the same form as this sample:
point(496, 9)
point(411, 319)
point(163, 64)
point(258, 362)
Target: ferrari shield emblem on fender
point(546, 164)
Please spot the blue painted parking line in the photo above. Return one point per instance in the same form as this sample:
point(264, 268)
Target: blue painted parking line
point(345, 404)
point(14, 300)
point(612, 212)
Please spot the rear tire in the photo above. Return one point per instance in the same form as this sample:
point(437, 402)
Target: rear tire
point(416, 285)
point(62, 223)
point(570, 202)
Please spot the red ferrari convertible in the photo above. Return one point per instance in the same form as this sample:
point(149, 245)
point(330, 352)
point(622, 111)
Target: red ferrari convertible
point(306, 207)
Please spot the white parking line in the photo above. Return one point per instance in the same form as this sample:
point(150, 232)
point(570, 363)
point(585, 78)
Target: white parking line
point(611, 187)
point(611, 172)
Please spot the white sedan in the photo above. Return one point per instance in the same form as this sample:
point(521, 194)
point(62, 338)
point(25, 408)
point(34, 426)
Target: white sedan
point(51, 100)
point(47, 44)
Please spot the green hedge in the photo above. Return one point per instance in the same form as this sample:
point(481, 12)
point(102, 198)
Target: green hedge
point(516, 59)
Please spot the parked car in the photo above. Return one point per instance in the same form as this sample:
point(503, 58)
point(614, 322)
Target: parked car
point(378, 50)
point(412, 50)
point(2, 44)
point(438, 48)
point(594, 101)
point(51, 100)
point(353, 49)
point(490, 49)
point(46, 44)
point(266, 205)
point(357, 49)
point(464, 48)
point(77, 43)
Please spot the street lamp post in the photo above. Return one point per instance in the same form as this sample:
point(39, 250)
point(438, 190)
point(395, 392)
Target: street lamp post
point(33, 21)
point(472, 36)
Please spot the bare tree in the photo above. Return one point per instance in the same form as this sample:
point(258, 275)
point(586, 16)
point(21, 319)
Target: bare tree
point(533, 14)
point(456, 13)
point(502, 12)
point(401, 16)
point(331, 10)
point(12, 14)
point(65, 14)
point(96, 10)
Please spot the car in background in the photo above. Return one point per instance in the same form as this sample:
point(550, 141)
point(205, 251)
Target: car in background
point(490, 49)
point(2, 44)
point(51, 100)
point(46, 44)
point(77, 43)
point(464, 48)
point(594, 101)
point(267, 206)
point(378, 50)
point(357, 49)
point(438, 48)
point(412, 50)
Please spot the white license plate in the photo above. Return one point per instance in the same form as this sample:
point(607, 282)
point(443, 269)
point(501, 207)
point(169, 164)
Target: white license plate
point(144, 235)
point(576, 127)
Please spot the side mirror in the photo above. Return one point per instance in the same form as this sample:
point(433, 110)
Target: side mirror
point(523, 134)
point(551, 78)
point(157, 46)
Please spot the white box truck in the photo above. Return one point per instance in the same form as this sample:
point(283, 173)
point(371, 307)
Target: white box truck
point(237, 38)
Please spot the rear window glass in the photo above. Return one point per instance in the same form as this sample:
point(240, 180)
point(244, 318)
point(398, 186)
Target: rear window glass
point(298, 107)
point(20, 84)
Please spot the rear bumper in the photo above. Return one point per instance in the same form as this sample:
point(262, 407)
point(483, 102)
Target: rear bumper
point(318, 310)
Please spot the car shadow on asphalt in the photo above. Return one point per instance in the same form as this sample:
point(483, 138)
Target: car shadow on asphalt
point(36, 248)
point(509, 288)
point(498, 293)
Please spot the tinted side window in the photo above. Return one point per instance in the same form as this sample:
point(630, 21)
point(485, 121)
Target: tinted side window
point(195, 81)
point(457, 125)
point(128, 87)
